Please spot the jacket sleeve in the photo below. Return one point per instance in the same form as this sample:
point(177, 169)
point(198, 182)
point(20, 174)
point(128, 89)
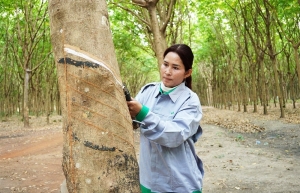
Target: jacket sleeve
point(173, 132)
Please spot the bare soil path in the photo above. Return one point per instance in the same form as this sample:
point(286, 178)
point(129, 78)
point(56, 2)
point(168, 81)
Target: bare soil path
point(30, 159)
point(242, 152)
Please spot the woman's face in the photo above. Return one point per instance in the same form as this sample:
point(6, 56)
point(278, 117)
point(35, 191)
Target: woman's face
point(172, 71)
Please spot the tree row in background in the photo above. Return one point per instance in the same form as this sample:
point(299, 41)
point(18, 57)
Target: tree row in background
point(246, 52)
point(252, 48)
point(27, 70)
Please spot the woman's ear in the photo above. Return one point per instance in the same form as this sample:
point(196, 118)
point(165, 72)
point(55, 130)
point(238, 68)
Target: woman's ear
point(188, 73)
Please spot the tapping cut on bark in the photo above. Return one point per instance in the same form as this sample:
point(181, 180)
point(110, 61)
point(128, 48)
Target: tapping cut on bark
point(98, 150)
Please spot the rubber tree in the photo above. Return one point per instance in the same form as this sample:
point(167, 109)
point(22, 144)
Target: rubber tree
point(98, 148)
point(25, 42)
point(269, 25)
point(155, 16)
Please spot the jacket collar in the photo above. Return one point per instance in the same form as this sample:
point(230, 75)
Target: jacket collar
point(175, 94)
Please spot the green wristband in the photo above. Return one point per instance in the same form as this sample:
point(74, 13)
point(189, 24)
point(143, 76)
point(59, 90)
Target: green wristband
point(142, 114)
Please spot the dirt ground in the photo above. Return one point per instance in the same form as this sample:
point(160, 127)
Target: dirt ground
point(241, 152)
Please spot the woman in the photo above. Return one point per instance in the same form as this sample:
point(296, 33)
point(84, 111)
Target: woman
point(169, 112)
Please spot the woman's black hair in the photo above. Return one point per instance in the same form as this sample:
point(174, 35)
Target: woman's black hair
point(187, 57)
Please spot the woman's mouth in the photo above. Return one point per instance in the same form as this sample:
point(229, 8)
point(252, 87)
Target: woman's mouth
point(167, 79)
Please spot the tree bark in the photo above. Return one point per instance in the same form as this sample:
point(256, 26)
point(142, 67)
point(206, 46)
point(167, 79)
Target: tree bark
point(297, 60)
point(160, 43)
point(158, 21)
point(98, 150)
point(26, 98)
point(272, 54)
point(262, 83)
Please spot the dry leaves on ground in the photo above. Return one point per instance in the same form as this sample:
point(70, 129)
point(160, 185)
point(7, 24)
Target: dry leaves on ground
point(242, 121)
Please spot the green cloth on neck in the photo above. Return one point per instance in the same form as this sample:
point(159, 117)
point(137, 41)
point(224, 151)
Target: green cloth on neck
point(166, 93)
point(166, 90)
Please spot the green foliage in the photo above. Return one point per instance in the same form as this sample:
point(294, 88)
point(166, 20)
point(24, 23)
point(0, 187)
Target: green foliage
point(25, 44)
point(135, 57)
point(219, 32)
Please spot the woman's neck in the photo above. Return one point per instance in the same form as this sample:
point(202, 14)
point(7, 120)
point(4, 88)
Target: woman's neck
point(166, 90)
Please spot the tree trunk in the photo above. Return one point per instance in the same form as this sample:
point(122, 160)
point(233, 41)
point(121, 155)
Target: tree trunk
point(26, 98)
point(272, 54)
point(98, 150)
point(160, 42)
point(157, 20)
point(297, 60)
point(260, 59)
point(253, 85)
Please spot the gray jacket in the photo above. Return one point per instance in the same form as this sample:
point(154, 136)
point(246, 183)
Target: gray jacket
point(168, 161)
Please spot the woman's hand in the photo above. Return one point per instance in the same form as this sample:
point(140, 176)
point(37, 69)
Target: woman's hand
point(134, 107)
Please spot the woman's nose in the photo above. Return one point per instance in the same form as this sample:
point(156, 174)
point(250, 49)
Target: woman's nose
point(168, 70)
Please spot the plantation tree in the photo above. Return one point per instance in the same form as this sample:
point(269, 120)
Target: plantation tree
point(156, 16)
point(288, 20)
point(25, 44)
point(252, 41)
point(25, 59)
point(161, 22)
point(133, 39)
point(266, 12)
point(143, 29)
point(6, 74)
point(254, 51)
point(98, 152)
point(135, 58)
point(240, 39)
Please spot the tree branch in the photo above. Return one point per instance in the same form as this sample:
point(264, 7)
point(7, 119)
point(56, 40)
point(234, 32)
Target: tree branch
point(141, 3)
point(46, 57)
point(171, 6)
point(133, 13)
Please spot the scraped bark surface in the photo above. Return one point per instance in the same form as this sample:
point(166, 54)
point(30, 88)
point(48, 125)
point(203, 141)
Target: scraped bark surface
point(98, 149)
